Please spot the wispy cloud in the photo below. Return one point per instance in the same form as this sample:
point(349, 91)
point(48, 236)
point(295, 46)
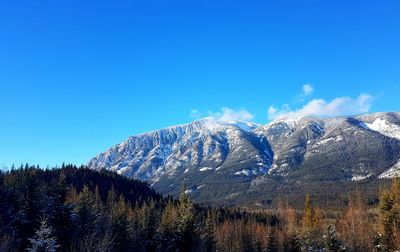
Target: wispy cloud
point(307, 89)
point(339, 106)
point(213, 119)
point(196, 114)
point(306, 92)
point(224, 115)
point(228, 114)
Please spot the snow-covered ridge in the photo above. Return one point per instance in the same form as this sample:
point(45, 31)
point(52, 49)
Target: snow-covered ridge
point(202, 145)
point(384, 127)
point(208, 147)
point(392, 172)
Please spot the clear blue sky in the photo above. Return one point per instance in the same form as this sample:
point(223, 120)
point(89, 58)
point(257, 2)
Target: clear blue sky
point(79, 76)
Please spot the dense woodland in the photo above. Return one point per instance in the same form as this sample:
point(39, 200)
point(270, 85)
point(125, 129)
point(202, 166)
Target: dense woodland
point(77, 209)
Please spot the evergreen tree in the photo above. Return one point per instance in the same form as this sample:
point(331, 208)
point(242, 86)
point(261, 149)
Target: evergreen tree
point(167, 231)
point(208, 234)
point(43, 240)
point(85, 214)
point(271, 241)
point(309, 219)
point(390, 216)
point(311, 235)
point(186, 218)
point(332, 242)
point(148, 220)
point(111, 197)
point(119, 222)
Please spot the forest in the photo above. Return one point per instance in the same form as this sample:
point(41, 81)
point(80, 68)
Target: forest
point(79, 209)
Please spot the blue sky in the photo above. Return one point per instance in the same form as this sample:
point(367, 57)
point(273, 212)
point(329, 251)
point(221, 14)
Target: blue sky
point(79, 76)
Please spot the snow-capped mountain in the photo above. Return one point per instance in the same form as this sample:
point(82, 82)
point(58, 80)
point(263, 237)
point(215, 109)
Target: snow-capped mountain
point(214, 159)
point(202, 146)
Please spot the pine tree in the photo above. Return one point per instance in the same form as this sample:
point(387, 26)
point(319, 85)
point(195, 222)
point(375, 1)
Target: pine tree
point(186, 218)
point(148, 220)
point(309, 219)
point(332, 242)
point(167, 236)
point(271, 241)
point(209, 232)
point(62, 184)
point(135, 228)
point(119, 221)
point(111, 197)
point(311, 236)
point(169, 218)
point(390, 216)
point(85, 214)
point(43, 240)
point(97, 198)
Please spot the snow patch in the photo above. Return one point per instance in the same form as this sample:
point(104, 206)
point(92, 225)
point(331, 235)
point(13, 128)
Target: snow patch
point(330, 139)
point(385, 128)
point(200, 186)
point(392, 172)
point(360, 177)
point(243, 172)
point(122, 170)
point(246, 126)
point(206, 168)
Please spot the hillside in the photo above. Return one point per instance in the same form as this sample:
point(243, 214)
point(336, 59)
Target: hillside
point(79, 209)
point(243, 163)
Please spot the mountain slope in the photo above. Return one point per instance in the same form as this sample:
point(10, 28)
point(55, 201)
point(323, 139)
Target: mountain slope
point(218, 161)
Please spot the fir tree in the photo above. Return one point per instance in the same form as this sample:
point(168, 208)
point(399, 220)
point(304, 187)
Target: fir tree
point(390, 216)
point(148, 219)
point(311, 238)
point(186, 218)
point(309, 220)
point(208, 234)
point(332, 242)
point(43, 240)
point(271, 241)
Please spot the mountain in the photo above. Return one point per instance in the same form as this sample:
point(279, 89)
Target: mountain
point(223, 161)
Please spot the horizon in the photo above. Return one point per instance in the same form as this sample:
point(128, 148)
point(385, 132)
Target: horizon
point(47, 166)
point(77, 78)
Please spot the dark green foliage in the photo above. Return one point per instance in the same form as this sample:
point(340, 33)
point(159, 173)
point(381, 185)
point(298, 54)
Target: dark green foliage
point(77, 209)
point(87, 210)
point(209, 232)
point(390, 217)
point(76, 203)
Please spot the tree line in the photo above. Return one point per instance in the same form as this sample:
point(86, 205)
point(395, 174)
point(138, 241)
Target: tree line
point(78, 209)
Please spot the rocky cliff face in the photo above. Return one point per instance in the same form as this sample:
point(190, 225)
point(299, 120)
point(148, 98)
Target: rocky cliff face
point(223, 159)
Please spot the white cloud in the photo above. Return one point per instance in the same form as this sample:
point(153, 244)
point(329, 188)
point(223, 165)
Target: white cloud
point(226, 114)
point(318, 107)
point(194, 113)
point(307, 90)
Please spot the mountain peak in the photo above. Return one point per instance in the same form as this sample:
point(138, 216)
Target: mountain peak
point(208, 152)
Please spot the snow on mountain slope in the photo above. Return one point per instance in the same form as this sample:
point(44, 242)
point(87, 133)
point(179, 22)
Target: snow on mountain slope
point(387, 124)
point(184, 149)
point(385, 128)
point(227, 157)
point(392, 172)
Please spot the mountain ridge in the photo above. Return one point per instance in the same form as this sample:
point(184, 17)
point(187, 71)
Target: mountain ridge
point(217, 159)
